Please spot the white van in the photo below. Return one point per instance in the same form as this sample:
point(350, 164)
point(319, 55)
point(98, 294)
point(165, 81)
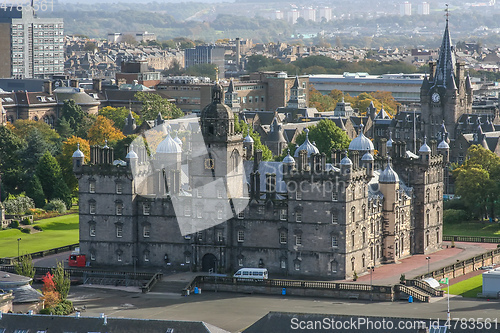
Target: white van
point(252, 273)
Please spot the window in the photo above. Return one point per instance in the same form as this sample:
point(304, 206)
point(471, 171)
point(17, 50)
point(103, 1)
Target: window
point(188, 259)
point(146, 256)
point(199, 213)
point(283, 237)
point(199, 192)
point(219, 214)
point(119, 231)
point(335, 218)
point(220, 237)
point(283, 214)
point(119, 209)
point(92, 230)
point(335, 241)
point(92, 207)
point(92, 186)
point(297, 266)
point(283, 263)
point(298, 239)
point(146, 208)
point(298, 195)
point(146, 231)
point(199, 234)
point(334, 266)
point(298, 217)
point(119, 188)
point(240, 262)
point(92, 256)
point(335, 196)
point(241, 215)
point(352, 239)
point(119, 257)
point(241, 236)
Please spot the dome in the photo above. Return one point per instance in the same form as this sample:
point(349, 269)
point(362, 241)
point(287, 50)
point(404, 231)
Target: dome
point(248, 138)
point(361, 142)
point(78, 153)
point(389, 142)
point(425, 147)
point(169, 146)
point(177, 140)
point(367, 157)
point(346, 161)
point(388, 176)
point(131, 154)
point(288, 159)
point(443, 145)
point(307, 146)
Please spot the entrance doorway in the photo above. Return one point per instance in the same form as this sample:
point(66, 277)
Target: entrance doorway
point(209, 263)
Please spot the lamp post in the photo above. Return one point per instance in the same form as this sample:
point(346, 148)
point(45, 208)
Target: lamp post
point(428, 264)
point(18, 240)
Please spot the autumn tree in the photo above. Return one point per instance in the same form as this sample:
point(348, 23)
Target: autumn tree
point(152, 104)
point(66, 161)
point(102, 130)
point(117, 115)
point(51, 297)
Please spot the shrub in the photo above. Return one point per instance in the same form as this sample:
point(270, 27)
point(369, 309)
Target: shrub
point(63, 308)
point(19, 205)
point(454, 216)
point(45, 311)
point(14, 224)
point(56, 205)
point(26, 230)
point(26, 221)
point(37, 227)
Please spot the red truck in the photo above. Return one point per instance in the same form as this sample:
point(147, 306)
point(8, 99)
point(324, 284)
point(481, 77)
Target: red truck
point(76, 259)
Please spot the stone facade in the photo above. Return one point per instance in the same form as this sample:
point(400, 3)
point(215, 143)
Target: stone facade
point(300, 217)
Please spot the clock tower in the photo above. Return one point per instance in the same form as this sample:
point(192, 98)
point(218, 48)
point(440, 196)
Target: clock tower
point(447, 93)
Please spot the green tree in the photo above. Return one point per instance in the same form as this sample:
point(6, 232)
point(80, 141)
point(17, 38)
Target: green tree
point(327, 137)
point(35, 191)
point(209, 70)
point(62, 192)
point(25, 267)
point(117, 115)
point(10, 164)
point(61, 280)
point(49, 173)
point(244, 128)
point(73, 114)
point(152, 104)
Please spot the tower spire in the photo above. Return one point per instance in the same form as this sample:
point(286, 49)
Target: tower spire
point(445, 66)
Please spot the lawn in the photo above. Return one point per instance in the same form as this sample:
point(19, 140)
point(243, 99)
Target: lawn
point(467, 288)
point(473, 229)
point(57, 231)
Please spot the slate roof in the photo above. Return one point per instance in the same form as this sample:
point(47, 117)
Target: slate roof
point(60, 324)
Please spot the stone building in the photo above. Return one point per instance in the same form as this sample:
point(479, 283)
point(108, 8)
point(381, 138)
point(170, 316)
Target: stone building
point(203, 204)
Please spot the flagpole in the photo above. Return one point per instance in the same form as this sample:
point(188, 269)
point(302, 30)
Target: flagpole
point(448, 280)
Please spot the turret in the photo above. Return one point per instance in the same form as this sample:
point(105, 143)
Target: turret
point(368, 161)
point(248, 145)
point(288, 163)
point(132, 159)
point(425, 151)
point(78, 159)
point(389, 143)
point(346, 166)
point(444, 149)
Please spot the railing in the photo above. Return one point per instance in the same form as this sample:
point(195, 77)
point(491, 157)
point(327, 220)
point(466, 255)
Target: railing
point(472, 239)
point(290, 284)
point(40, 254)
point(413, 293)
point(151, 283)
point(425, 287)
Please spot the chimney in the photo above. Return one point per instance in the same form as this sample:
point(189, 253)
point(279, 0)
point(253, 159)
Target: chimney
point(383, 147)
point(252, 185)
point(257, 158)
point(74, 83)
point(238, 53)
point(47, 87)
point(97, 85)
point(257, 185)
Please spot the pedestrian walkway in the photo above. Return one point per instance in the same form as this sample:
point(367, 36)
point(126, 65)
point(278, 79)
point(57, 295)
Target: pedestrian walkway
point(418, 264)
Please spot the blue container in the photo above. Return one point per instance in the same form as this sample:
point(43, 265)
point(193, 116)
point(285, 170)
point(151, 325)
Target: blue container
point(196, 290)
point(283, 291)
point(410, 299)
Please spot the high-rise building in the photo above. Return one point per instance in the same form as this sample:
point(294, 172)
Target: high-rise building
point(324, 13)
point(405, 9)
point(30, 47)
point(308, 14)
point(205, 54)
point(424, 8)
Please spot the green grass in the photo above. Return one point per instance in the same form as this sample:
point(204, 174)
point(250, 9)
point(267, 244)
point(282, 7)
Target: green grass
point(467, 288)
point(473, 229)
point(57, 231)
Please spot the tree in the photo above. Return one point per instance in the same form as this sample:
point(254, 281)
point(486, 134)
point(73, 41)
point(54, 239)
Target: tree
point(327, 137)
point(61, 279)
point(66, 161)
point(35, 191)
point(244, 128)
point(117, 115)
point(23, 127)
point(50, 296)
point(209, 70)
point(25, 267)
point(49, 173)
point(62, 192)
point(73, 114)
point(152, 104)
point(10, 164)
point(174, 69)
point(129, 39)
point(102, 130)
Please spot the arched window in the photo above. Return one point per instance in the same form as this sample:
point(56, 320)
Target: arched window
point(352, 264)
point(363, 263)
point(334, 266)
point(363, 233)
point(353, 214)
point(352, 239)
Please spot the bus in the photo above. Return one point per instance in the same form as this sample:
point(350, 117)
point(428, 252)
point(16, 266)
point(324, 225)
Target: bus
point(252, 273)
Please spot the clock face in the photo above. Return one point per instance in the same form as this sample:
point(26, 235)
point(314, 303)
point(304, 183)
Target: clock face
point(435, 97)
point(209, 163)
